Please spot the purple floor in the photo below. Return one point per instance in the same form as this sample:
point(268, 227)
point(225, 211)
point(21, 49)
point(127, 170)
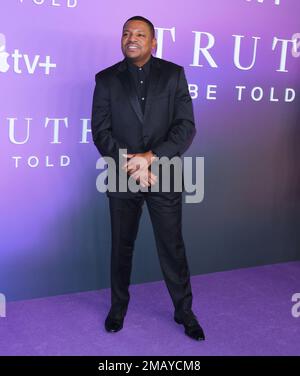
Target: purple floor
point(243, 312)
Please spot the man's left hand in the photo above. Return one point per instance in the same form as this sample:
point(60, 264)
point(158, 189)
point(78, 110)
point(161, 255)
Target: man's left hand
point(138, 161)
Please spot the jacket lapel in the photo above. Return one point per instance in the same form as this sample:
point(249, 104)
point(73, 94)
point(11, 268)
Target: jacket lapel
point(153, 80)
point(124, 77)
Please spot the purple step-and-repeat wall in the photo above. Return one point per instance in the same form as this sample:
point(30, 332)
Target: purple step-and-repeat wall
point(241, 59)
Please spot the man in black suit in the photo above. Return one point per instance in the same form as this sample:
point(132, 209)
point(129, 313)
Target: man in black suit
point(142, 104)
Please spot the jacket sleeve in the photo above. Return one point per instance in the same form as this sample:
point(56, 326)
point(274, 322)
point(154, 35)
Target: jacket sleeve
point(106, 144)
point(182, 129)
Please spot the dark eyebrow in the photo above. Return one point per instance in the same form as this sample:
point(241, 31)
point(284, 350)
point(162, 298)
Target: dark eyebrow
point(136, 30)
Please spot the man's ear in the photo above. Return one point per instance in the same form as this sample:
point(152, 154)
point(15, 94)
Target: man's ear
point(154, 43)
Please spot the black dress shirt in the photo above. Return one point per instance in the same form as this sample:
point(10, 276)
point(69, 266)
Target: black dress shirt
point(140, 78)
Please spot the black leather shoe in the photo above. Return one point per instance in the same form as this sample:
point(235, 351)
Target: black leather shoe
point(192, 328)
point(112, 324)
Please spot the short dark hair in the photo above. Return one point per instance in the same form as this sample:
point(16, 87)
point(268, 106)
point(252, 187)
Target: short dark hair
point(140, 18)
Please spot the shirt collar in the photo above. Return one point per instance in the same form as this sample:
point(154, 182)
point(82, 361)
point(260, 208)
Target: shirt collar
point(133, 68)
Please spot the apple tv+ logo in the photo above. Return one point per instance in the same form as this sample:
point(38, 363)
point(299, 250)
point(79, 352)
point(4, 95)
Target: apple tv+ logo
point(21, 62)
point(3, 55)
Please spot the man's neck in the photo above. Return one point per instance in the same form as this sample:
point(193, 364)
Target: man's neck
point(138, 63)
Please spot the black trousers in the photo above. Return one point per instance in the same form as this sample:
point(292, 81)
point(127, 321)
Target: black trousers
point(166, 217)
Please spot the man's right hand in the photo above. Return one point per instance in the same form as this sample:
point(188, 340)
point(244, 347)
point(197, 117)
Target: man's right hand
point(137, 167)
point(144, 177)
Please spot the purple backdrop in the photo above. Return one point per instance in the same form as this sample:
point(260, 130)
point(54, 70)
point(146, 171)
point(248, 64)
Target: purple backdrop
point(54, 224)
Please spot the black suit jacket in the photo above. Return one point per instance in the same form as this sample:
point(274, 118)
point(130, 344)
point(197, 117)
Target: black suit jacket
point(167, 127)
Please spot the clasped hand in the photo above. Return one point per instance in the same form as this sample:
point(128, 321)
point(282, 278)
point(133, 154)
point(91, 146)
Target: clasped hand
point(137, 167)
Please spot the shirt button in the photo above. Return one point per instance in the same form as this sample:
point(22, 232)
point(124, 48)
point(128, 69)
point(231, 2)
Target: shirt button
point(142, 82)
point(140, 68)
point(143, 99)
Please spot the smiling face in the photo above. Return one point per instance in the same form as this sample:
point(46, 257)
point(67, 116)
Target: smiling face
point(137, 42)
